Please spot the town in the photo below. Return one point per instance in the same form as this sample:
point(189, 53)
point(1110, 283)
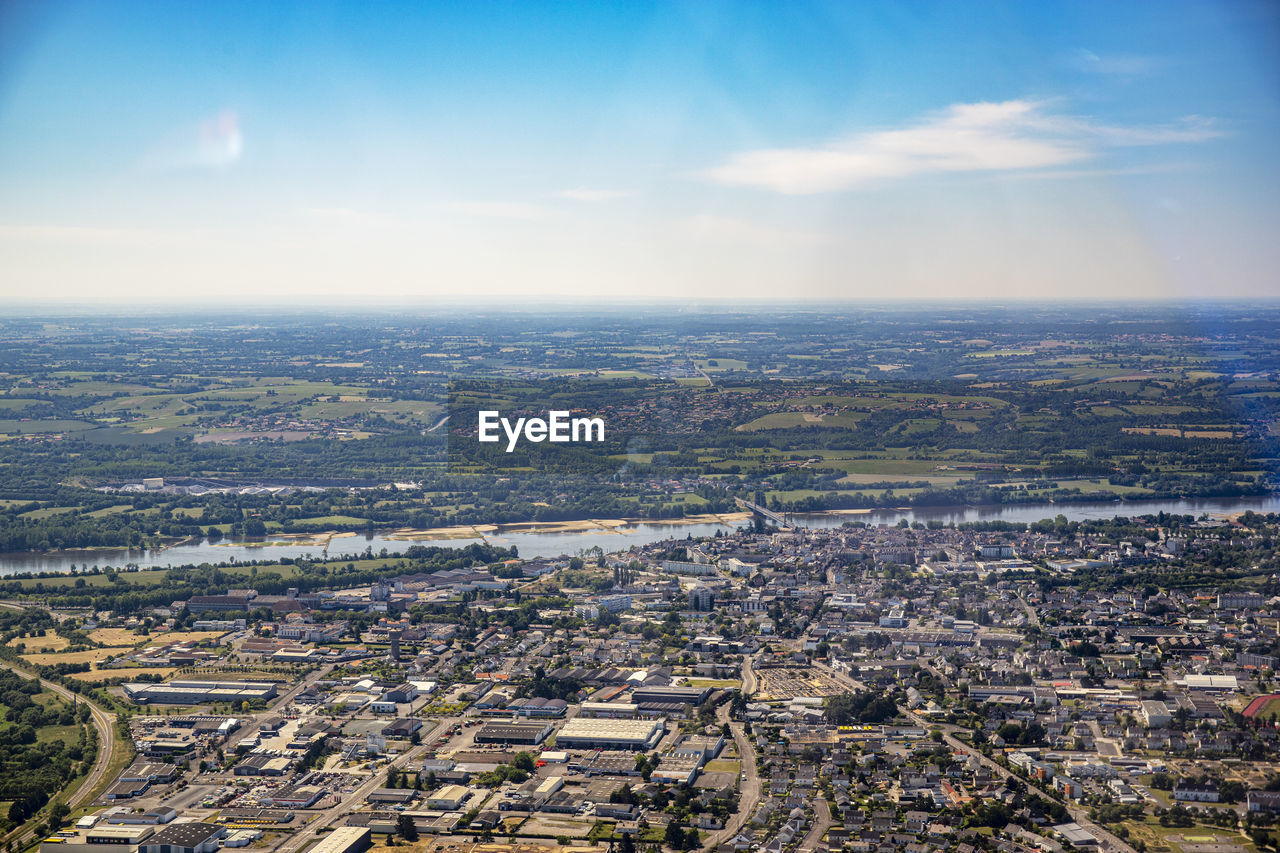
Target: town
point(864, 688)
point(640, 427)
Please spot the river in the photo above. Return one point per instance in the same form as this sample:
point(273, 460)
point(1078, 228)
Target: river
point(544, 544)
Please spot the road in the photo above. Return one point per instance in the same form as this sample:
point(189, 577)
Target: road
point(749, 789)
point(748, 677)
point(821, 823)
point(1106, 840)
point(105, 724)
point(354, 800)
point(1104, 746)
point(1079, 815)
point(842, 677)
point(281, 705)
point(1033, 619)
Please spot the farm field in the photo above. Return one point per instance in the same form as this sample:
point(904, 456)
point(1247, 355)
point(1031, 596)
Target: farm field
point(166, 637)
point(87, 656)
point(125, 672)
point(115, 636)
point(351, 430)
point(47, 643)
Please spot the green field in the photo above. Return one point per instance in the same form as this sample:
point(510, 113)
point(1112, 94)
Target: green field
point(820, 409)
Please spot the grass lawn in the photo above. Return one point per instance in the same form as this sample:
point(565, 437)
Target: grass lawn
point(720, 364)
point(165, 637)
point(722, 765)
point(714, 682)
point(790, 420)
point(49, 511)
point(1156, 837)
point(329, 521)
point(66, 734)
point(120, 759)
point(111, 510)
point(53, 425)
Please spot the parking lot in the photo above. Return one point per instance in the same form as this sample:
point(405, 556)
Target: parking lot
point(783, 683)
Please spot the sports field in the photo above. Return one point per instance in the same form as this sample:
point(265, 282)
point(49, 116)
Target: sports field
point(1265, 707)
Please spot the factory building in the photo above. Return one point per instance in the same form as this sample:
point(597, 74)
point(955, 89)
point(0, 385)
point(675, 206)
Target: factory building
point(184, 838)
point(200, 692)
point(344, 839)
point(634, 735)
point(525, 734)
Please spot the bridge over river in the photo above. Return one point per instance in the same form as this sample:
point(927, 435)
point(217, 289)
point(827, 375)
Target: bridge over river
point(784, 520)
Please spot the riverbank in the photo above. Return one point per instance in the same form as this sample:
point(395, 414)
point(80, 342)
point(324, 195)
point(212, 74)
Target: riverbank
point(320, 540)
point(583, 525)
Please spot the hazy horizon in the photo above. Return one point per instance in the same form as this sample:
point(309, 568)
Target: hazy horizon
point(175, 154)
point(122, 309)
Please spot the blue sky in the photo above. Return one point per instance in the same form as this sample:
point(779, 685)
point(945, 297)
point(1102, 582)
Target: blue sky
point(425, 152)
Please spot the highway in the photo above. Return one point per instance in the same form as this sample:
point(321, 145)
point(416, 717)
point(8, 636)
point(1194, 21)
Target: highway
point(105, 724)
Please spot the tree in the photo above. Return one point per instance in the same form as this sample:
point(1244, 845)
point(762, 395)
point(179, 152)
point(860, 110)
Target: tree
point(674, 836)
point(1231, 791)
point(862, 707)
point(624, 795)
point(406, 828)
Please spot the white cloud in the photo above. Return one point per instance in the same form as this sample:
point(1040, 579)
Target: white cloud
point(981, 137)
point(592, 195)
point(1189, 129)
